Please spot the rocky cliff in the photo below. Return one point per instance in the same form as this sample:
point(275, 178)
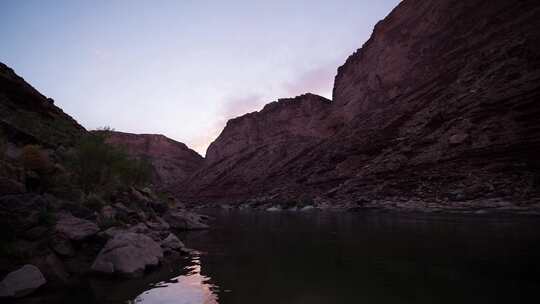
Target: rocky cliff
point(29, 117)
point(440, 104)
point(172, 161)
point(71, 206)
point(254, 150)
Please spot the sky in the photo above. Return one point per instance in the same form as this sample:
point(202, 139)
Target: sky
point(180, 68)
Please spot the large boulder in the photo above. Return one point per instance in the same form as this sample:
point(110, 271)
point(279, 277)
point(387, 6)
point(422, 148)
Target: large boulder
point(74, 228)
point(185, 220)
point(128, 254)
point(172, 243)
point(21, 282)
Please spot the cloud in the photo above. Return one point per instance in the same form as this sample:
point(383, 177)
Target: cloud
point(318, 80)
point(241, 105)
point(231, 107)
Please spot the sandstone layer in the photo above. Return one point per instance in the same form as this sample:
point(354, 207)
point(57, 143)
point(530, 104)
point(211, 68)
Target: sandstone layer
point(172, 161)
point(440, 104)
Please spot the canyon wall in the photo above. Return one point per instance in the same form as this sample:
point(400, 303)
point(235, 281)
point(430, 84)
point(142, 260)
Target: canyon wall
point(172, 161)
point(441, 103)
point(253, 153)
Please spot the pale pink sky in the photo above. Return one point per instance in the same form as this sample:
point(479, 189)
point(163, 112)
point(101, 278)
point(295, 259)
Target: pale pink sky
point(180, 68)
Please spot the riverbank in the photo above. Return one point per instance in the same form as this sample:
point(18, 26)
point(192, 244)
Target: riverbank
point(492, 206)
point(53, 244)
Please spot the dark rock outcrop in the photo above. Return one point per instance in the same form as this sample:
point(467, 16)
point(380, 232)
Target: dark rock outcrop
point(172, 161)
point(26, 116)
point(440, 104)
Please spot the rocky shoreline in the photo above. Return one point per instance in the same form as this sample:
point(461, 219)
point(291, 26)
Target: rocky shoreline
point(128, 240)
point(494, 206)
point(60, 243)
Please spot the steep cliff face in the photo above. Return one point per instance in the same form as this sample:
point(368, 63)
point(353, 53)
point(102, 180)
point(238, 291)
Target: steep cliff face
point(303, 116)
point(425, 42)
point(172, 161)
point(26, 116)
point(444, 99)
point(252, 153)
point(442, 104)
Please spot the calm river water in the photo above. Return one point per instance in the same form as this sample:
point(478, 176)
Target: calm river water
point(286, 257)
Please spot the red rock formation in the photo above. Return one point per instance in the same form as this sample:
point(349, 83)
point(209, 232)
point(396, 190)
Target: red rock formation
point(303, 116)
point(441, 103)
point(252, 148)
point(172, 161)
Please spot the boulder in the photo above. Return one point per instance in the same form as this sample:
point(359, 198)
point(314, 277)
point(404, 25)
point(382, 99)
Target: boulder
point(458, 138)
point(128, 254)
point(172, 243)
point(185, 220)
point(74, 228)
point(274, 209)
point(21, 282)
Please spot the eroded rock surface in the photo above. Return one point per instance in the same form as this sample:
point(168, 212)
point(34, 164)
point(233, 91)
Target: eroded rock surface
point(172, 161)
point(442, 98)
point(21, 282)
point(128, 254)
point(74, 228)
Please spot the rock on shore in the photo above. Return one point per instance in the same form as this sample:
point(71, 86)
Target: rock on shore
point(21, 282)
point(128, 254)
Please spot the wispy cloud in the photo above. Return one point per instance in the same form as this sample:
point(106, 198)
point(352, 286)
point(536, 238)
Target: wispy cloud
point(231, 107)
point(318, 80)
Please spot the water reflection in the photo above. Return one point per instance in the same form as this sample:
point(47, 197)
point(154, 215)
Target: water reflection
point(320, 258)
point(191, 288)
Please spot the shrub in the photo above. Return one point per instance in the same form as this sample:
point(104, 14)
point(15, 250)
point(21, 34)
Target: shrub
point(93, 202)
point(103, 167)
point(35, 159)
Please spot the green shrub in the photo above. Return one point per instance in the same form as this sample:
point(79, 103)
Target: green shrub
point(93, 202)
point(100, 166)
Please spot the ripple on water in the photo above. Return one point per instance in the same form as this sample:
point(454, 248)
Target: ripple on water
point(191, 288)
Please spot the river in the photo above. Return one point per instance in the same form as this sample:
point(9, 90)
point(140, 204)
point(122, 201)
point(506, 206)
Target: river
point(331, 257)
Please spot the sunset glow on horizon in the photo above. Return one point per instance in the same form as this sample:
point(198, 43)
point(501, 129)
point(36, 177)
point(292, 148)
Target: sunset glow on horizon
point(180, 68)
